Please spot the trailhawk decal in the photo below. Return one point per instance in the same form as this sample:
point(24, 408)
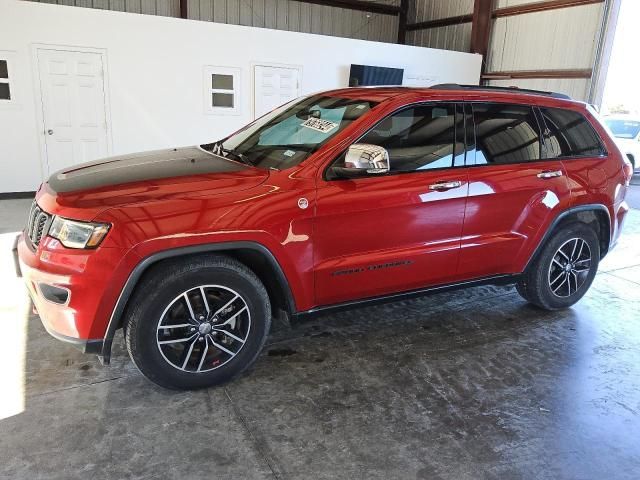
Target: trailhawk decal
point(319, 125)
point(370, 268)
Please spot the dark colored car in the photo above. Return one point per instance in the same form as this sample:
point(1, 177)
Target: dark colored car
point(334, 200)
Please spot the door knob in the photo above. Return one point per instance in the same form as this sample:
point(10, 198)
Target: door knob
point(50, 132)
point(550, 174)
point(443, 186)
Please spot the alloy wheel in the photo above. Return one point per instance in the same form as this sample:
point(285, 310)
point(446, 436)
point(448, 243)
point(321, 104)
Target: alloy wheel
point(569, 267)
point(203, 328)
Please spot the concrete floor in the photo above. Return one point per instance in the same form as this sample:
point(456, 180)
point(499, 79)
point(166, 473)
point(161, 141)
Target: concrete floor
point(473, 384)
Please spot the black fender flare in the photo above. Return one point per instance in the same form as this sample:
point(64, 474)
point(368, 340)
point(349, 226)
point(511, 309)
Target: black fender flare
point(590, 207)
point(135, 275)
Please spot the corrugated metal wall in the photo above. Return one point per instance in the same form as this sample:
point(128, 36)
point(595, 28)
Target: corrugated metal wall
point(279, 14)
point(560, 39)
point(165, 8)
point(298, 17)
point(455, 37)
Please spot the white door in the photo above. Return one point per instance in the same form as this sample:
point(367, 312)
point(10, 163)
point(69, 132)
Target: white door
point(273, 87)
point(73, 107)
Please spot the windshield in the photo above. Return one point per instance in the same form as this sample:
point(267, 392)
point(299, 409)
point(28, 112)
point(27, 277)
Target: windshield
point(624, 128)
point(291, 133)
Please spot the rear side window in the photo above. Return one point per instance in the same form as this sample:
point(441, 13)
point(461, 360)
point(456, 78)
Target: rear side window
point(506, 134)
point(569, 134)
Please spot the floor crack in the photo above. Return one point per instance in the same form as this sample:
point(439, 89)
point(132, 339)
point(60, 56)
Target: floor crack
point(243, 421)
point(621, 268)
point(621, 278)
point(72, 387)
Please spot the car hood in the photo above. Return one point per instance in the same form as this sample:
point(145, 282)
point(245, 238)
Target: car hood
point(189, 172)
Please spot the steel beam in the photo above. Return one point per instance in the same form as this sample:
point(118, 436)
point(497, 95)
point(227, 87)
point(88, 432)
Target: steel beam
point(481, 27)
point(361, 5)
point(402, 21)
point(529, 74)
point(540, 7)
point(440, 22)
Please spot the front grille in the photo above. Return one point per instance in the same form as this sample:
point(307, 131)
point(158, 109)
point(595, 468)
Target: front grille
point(37, 224)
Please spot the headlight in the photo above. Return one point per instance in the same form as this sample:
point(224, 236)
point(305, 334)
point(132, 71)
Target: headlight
point(74, 234)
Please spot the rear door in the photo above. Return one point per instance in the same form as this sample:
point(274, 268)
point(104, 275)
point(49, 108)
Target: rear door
point(572, 139)
point(513, 192)
point(400, 231)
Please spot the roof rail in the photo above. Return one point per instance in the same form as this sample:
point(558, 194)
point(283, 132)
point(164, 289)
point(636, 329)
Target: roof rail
point(455, 86)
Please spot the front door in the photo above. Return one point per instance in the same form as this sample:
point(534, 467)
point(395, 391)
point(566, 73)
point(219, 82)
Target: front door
point(73, 107)
point(400, 231)
point(274, 86)
point(514, 190)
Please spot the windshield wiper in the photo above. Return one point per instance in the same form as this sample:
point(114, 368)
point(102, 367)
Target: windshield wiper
point(217, 149)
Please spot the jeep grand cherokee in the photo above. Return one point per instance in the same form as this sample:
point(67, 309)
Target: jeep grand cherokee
point(333, 200)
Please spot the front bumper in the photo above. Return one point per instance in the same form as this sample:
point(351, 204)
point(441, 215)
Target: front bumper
point(77, 317)
point(85, 346)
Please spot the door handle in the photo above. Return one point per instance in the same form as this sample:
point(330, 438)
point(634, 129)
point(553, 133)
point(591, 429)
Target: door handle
point(50, 132)
point(442, 186)
point(550, 174)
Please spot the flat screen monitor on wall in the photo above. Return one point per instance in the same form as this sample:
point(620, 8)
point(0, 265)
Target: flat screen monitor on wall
point(365, 75)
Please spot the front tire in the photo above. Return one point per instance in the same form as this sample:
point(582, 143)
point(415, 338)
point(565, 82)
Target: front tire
point(563, 271)
point(197, 323)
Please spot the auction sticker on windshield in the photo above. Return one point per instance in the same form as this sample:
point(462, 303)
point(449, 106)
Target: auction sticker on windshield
point(319, 125)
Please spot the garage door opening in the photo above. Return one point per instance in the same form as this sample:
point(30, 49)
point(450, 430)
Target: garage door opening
point(622, 94)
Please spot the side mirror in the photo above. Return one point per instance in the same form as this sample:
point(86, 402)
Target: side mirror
point(363, 159)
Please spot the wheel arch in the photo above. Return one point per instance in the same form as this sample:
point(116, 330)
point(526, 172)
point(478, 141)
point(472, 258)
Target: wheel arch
point(254, 255)
point(595, 215)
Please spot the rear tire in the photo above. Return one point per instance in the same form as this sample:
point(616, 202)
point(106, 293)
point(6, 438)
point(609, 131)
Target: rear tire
point(563, 270)
point(197, 323)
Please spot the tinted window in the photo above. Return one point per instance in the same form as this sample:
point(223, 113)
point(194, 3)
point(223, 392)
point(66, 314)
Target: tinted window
point(5, 92)
point(506, 134)
point(221, 82)
point(569, 134)
point(222, 100)
point(419, 138)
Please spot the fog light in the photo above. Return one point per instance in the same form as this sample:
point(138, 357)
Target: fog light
point(54, 294)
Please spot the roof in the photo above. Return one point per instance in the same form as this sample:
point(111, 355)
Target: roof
point(383, 93)
point(377, 94)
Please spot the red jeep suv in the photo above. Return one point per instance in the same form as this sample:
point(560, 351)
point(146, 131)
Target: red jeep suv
point(333, 200)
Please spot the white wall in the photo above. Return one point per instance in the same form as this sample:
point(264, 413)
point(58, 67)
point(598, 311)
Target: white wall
point(154, 74)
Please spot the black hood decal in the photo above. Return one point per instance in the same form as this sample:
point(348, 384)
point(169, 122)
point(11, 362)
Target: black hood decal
point(141, 167)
